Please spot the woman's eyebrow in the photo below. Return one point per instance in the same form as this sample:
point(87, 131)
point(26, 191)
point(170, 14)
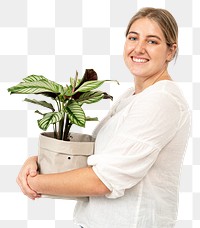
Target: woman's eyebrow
point(149, 36)
point(154, 36)
point(133, 32)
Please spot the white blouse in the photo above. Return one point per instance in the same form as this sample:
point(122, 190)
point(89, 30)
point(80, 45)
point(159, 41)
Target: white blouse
point(139, 151)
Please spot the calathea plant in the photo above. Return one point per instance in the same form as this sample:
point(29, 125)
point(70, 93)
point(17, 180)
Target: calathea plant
point(67, 99)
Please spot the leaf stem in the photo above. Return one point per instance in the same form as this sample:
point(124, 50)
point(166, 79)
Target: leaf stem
point(67, 129)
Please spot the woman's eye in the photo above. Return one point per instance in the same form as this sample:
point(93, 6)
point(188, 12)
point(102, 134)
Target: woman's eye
point(152, 42)
point(132, 38)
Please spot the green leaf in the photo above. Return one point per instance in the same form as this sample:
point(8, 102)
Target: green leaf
point(72, 81)
point(90, 97)
point(88, 118)
point(78, 82)
point(42, 103)
point(50, 94)
point(90, 85)
point(38, 112)
point(50, 118)
point(68, 91)
point(75, 113)
point(36, 87)
point(33, 78)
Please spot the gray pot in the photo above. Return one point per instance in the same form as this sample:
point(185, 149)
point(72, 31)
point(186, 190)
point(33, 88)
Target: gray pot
point(56, 156)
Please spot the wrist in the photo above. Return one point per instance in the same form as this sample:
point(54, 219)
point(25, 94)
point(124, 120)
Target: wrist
point(33, 182)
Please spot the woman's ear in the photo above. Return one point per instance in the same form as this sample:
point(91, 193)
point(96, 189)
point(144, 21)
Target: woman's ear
point(172, 52)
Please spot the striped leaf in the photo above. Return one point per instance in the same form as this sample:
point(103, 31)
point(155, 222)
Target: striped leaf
point(72, 82)
point(90, 97)
point(36, 87)
point(90, 85)
point(75, 113)
point(34, 78)
point(41, 103)
point(50, 118)
point(68, 91)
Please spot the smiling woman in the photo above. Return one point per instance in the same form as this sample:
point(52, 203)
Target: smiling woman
point(132, 179)
point(146, 53)
point(150, 46)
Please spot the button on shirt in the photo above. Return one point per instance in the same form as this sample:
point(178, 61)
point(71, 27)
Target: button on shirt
point(139, 152)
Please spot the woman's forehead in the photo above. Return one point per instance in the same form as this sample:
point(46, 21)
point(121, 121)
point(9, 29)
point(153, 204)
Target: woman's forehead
point(146, 26)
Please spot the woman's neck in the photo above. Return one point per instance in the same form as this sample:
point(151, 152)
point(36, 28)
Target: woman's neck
point(143, 83)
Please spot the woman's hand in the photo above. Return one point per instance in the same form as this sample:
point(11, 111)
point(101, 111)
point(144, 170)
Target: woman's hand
point(28, 169)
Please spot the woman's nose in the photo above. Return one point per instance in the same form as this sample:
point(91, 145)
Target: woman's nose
point(140, 47)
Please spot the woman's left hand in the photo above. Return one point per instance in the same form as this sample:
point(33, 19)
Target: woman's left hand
point(29, 169)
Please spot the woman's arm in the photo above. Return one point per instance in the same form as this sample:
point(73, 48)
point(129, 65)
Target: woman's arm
point(78, 182)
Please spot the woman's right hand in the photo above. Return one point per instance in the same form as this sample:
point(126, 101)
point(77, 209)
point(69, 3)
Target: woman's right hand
point(29, 168)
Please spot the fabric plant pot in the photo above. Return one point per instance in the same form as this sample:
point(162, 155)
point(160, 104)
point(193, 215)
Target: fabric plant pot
point(56, 156)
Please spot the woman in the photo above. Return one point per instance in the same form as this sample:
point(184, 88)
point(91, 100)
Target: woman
point(133, 177)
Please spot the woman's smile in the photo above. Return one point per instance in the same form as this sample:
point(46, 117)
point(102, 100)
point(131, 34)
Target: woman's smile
point(139, 60)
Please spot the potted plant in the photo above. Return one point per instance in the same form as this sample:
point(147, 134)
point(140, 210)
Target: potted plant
point(62, 150)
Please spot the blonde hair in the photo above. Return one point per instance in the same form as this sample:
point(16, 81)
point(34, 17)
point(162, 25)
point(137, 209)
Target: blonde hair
point(164, 19)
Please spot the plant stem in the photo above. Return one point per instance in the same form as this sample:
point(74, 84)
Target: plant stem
point(61, 122)
point(66, 131)
point(58, 105)
point(61, 125)
point(55, 131)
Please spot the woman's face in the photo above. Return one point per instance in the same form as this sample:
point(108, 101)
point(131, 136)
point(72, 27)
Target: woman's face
point(145, 52)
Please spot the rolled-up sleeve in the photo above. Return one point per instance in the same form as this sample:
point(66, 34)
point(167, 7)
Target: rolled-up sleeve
point(129, 144)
